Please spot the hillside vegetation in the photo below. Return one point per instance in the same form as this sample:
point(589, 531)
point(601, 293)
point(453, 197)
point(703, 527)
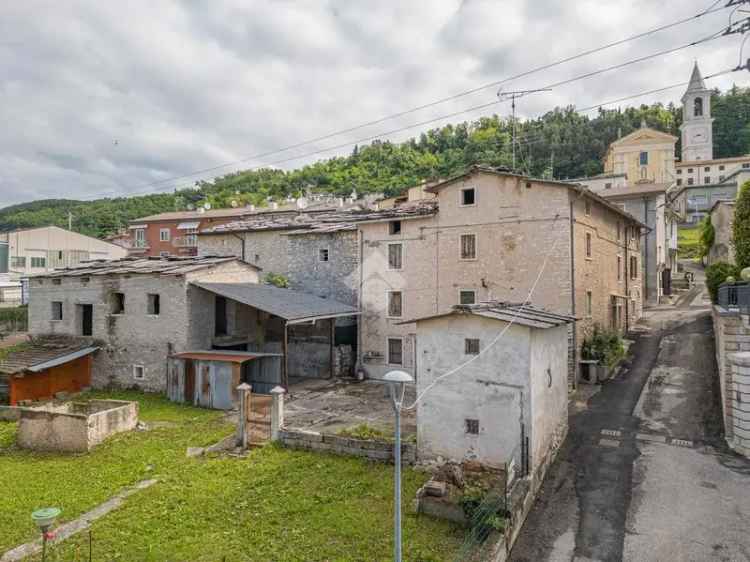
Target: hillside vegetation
point(561, 144)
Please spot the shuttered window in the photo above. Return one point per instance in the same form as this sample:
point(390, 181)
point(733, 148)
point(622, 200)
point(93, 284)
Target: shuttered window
point(468, 246)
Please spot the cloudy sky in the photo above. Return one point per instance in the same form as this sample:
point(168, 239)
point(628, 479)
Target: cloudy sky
point(108, 98)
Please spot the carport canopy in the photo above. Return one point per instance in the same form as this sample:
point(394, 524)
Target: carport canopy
point(294, 307)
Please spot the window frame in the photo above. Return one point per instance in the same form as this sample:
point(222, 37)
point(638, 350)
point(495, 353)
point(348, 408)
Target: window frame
point(461, 291)
point(400, 258)
point(57, 311)
point(461, 197)
point(388, 294)
point(388, 340)
point(471, 426)
point(327, 251)
point(142, 368)
point(112, 295)
point(162, 233)
point(588, 246)
point(587, 207)
point(619, 268)
point(38, 259)
point(461, 246)
point(151, 300)
point(643, 158)
point(394, 227)
point(589, 303)
point(469, 344)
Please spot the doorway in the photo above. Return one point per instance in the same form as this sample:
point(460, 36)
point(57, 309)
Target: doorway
point(220, 316)
point(87, 319)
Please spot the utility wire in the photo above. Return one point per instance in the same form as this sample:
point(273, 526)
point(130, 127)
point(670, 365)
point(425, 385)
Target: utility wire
point(711, 9)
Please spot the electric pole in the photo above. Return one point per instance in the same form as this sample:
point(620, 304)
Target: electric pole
point(512, 97)
point(70, 220)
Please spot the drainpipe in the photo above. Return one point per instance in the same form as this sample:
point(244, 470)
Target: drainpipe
point(573, 295)
point(645, 250)
point(359, 365)
point(626, 272)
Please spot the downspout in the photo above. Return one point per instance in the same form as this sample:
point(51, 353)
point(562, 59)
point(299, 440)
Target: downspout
point(626, 272)
point(645, 250)
point(573, 295)
point(359, 366)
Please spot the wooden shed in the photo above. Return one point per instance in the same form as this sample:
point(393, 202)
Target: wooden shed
point(43, 367)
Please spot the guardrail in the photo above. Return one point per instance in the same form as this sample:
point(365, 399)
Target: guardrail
point(734, 295)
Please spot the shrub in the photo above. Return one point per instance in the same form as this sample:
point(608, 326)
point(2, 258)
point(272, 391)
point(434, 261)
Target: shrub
point(603, 346)
point(277, 280)
point(741, 227)
point(716, 274)
point(707, 237)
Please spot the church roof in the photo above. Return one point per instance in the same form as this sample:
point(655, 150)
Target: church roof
point(696, 82)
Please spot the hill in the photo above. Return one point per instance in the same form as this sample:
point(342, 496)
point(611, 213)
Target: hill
point(561, 144)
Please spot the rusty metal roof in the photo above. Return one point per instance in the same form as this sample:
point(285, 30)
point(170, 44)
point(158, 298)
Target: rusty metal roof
point(139, 265)
point(292, 306)
point(45, 352)
point(516, 313)
point(227, 356)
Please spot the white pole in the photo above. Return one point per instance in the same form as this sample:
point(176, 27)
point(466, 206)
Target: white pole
point(397, 483)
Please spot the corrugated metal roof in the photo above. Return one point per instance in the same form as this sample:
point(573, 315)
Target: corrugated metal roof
point(135, 265)
point(285, 303)
point(44, 353)
point(517, 313)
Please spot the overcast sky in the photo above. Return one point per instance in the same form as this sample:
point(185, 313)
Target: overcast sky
point(105, 98)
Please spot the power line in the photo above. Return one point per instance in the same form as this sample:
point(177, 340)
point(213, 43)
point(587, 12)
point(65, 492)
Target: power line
point(711, 9)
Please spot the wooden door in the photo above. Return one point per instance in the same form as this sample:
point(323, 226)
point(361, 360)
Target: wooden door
point(189, 381)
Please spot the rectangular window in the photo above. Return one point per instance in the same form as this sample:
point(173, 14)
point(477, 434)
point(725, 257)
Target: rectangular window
point(139, 372)
point(140, 238)
point(471, 346)
point(164, 235)
point(468, 246)
point(679, 171)
point(468, 197)
point(746, 165)
point(619, 268)
point(707, 169)
point(395, 351)
point(154, 304)
point(38, 262)
point(395, 304)
point(721, 168)
point(633, 267)
point(117, 303)
point(472, 426)
point(18, 261)
point(394, 227)
point(57, 310)
point(690, 170)
point(589, 303)
point(679, 181)
point(323, 254)
point(707, 179)
point(690, 181)
point(588, 244)
point(395, 256)
point(467, 297)
point(644, 158)
point(608, 185)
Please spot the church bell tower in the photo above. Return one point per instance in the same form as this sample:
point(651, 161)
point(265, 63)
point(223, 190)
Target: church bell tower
point(697, 123)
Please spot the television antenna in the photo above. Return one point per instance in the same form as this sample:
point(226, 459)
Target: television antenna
point(512, 96)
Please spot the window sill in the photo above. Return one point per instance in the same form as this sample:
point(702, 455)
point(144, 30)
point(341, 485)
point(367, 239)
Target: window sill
point(468, 259)
point(147, 315)
point(56, 320)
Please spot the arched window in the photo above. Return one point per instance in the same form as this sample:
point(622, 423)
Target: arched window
point(698, 107)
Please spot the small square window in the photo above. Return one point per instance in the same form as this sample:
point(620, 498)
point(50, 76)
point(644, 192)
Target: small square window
point(468, 246)
point(467, 296)
point(472, 426)
point(471, 346)
point(164, 235)
point(323, 254)
point(394, 227)
point(395, 256)
point(468, 196)
point(139, 372)
point(117, 303)
point(154, 304)
point(690, 170)
point(721, 168)
point(395, 351)
point(690, 181)
point(395, 304)
point(707, 169)
point(57, 310)
point(608, 185)
point(679, 171)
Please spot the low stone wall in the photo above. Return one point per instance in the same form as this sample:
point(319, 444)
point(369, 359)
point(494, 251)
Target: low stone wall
point(74, 427)
point(9, 413)
point(374, 450)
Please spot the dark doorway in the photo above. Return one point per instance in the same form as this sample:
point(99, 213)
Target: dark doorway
point(87, 319)
point(189, 381)
point(221, 316)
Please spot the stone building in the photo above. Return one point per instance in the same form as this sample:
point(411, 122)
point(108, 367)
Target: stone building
point(485, 237)
point(509, 405)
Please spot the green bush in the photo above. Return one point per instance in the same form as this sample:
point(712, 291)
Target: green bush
point(716, 274)
point(707, 237)
point(277, 280)
point(603, 346)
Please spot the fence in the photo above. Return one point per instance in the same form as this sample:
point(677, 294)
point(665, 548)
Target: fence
point(735, 295)
point(14, 320)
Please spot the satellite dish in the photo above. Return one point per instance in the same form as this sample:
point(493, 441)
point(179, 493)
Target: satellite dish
point(207, 206)
point(235, 204)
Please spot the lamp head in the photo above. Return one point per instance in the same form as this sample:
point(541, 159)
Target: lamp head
point(398, 377)
point(45, 518)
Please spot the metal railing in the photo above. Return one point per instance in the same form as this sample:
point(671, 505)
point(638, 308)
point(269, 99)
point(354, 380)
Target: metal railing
point(734, 295)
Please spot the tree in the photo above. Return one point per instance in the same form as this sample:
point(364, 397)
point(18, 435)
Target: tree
point(741, 227)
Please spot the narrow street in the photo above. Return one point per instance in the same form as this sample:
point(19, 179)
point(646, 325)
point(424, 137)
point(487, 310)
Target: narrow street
point(645, 474)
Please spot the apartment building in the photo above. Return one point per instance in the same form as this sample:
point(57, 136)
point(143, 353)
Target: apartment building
point(492, 235)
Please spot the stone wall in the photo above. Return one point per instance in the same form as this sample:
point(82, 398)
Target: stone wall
point(373, 450)
point(732, 336)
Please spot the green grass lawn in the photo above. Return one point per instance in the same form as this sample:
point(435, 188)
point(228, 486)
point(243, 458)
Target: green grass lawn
point(275, 504)
point(688, 242)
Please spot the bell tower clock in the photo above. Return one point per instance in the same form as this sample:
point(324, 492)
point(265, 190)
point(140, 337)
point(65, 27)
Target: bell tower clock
point(697, 123)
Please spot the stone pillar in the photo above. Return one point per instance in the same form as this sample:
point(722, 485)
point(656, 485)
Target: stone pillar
point(277, 412)
point(740, 396)
point(242, 429)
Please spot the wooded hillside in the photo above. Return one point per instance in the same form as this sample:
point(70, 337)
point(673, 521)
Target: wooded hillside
point(561, 144)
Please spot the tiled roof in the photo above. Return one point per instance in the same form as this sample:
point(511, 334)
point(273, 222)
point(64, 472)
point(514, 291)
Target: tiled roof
point(45, 350)
point(285, 303)
point(517, 313)
point(135, 265)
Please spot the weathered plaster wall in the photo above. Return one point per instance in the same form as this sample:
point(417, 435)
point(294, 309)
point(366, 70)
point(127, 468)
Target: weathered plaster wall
point(722, 219)
point(493, 389)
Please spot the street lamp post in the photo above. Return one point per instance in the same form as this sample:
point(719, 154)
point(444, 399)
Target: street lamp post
point(45, 519)
point(397, 382)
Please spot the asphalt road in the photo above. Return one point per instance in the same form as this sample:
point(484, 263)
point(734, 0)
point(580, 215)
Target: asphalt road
point(644, 474)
